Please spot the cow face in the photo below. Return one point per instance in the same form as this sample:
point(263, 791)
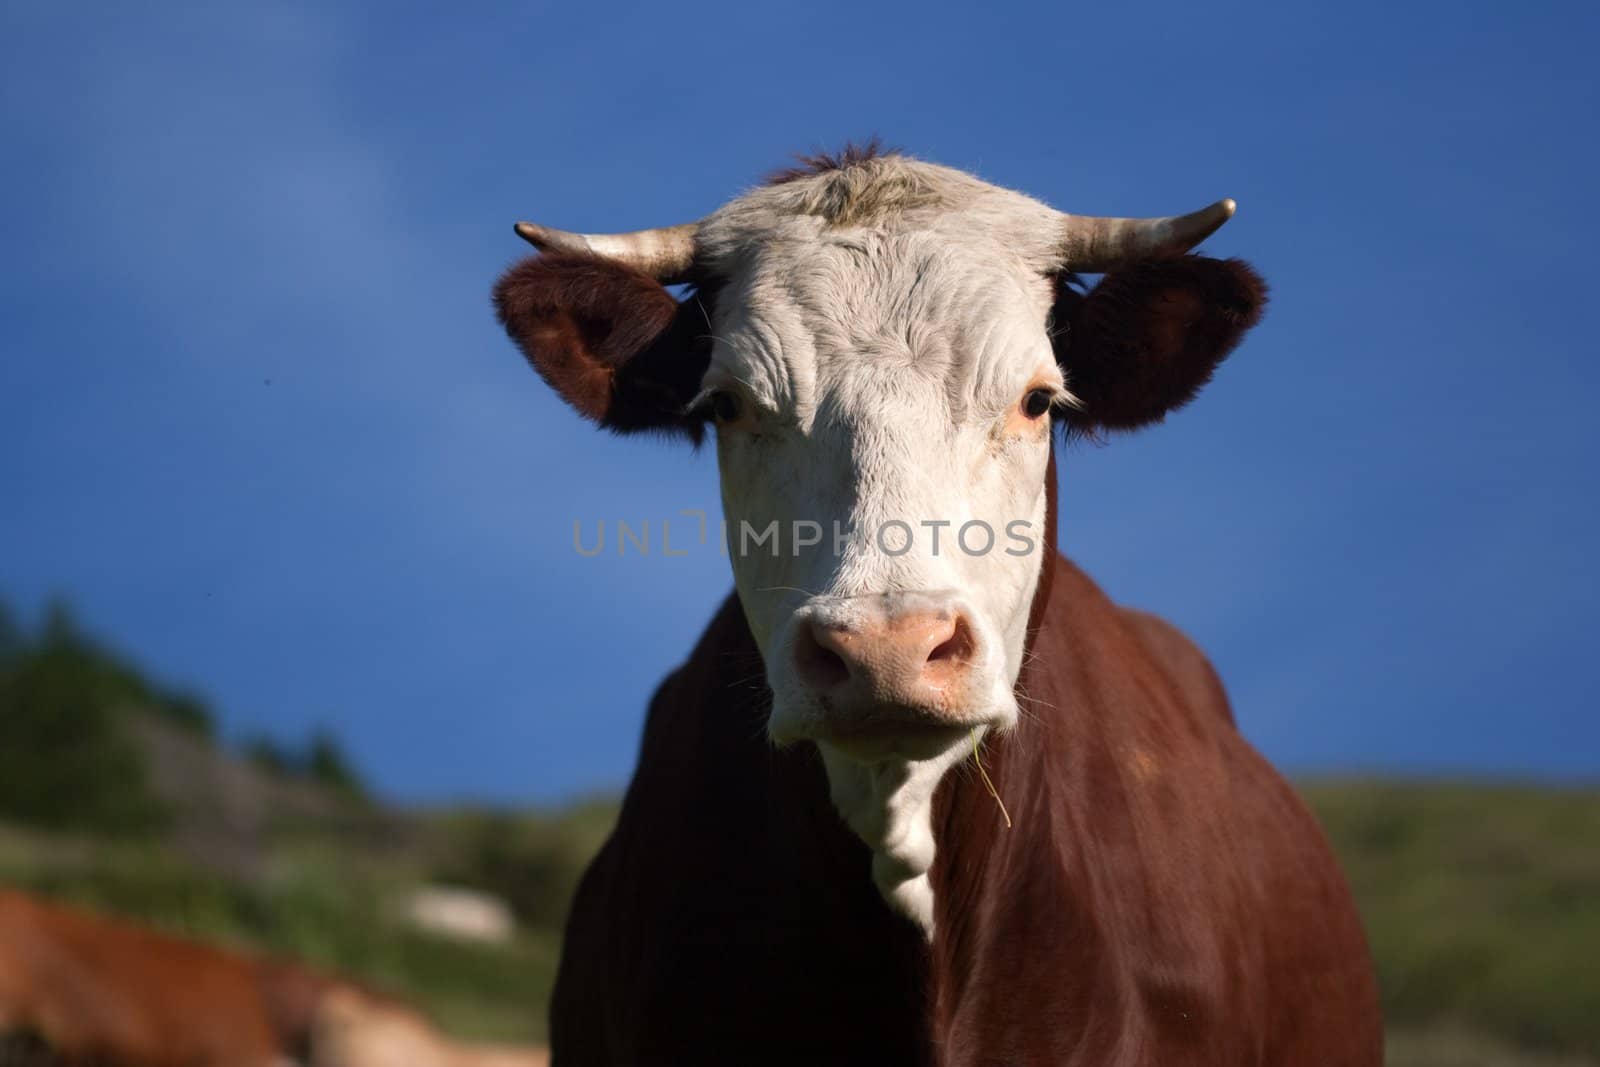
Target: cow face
point(881, 347)
point(882, 407)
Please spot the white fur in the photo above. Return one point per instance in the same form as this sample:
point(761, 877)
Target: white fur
point(889, 805)
point(880, 326)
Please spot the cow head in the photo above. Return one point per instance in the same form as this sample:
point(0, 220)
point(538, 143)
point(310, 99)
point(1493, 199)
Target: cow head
point(881, 347)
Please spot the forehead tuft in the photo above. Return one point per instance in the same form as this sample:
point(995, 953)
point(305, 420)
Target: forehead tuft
point(859, 187)
point(807, 165)
point(831, 198)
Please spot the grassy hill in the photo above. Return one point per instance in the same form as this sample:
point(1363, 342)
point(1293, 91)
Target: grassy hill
point(1482, 901)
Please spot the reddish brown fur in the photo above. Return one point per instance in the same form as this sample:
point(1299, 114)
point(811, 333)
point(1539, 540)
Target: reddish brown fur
point(1189, 666)
point(609, 339)
point(96, 992)
point(99, 991)
point(1147, 338)
point(1165, 897)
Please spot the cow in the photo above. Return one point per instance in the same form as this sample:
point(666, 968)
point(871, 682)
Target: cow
point(90, 990)
point(100, 991)
point(916, 799)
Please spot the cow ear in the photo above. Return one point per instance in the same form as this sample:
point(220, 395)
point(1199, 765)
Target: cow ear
point(1144, 341)
point(609, 339)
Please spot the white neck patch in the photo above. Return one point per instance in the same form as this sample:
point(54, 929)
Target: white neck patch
point(890, 807)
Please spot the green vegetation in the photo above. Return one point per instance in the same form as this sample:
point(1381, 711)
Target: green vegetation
point(321, 761)
point(1482, 903)
point(532, 861)
point(328, 904)
point(65, 761)
point(1461, 1048)
point(97, 674)
point(68, 758)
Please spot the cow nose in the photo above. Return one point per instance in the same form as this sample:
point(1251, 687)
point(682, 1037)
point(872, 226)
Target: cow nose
point(914, 660)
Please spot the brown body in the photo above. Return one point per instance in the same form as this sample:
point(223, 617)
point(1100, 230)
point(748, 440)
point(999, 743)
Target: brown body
point(99, 991)
point(109, 994)
point(1162, 898)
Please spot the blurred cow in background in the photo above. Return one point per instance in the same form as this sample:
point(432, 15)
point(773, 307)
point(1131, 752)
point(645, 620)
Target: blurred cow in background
point(99, 991)
point(89, 990)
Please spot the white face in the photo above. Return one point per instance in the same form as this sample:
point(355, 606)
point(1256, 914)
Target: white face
point(881, 375)
point(882, 371)
point(887, 388)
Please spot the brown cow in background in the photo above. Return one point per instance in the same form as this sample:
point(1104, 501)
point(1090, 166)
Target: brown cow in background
point(98, 991)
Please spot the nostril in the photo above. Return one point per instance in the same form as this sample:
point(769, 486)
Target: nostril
point(819, 667)
point(957, 649)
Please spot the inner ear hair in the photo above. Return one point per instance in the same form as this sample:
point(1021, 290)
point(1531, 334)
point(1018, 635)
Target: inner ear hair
point(1146, 339)
point(609, 339)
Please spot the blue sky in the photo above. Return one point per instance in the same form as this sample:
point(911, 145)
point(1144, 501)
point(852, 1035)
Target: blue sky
point(259, 426)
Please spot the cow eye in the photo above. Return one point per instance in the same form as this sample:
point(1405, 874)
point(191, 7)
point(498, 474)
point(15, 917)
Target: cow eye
point(724, 406)
point(1036, 403)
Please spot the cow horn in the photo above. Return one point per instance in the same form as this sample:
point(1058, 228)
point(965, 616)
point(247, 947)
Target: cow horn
point(1091, 244)
point(666, 254)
